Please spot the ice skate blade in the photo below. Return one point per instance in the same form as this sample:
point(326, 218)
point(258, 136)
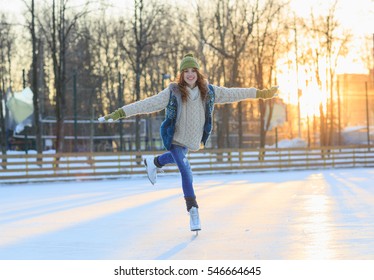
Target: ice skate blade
point(151, 181)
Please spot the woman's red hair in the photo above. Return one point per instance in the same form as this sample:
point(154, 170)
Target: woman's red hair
point(201, 83)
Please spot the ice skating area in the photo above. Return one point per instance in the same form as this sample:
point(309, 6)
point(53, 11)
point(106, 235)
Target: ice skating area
point(318, 214)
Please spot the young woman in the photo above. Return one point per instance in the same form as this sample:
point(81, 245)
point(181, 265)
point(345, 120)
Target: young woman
point(189, 105)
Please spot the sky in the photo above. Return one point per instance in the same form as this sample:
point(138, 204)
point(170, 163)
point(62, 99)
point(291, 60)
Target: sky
point(357, 16)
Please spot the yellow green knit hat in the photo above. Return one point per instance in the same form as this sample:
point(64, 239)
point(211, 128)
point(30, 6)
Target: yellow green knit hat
point(188, 61)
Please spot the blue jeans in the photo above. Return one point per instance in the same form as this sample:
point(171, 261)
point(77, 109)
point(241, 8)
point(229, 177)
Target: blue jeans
point(177, 154)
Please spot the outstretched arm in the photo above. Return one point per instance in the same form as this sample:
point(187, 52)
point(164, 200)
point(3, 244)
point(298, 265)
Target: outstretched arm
point(230, 95)
point(149, 105)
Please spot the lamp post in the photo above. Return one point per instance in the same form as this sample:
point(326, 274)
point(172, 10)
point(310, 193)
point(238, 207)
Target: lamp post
point(299, 94)
point(120, 98)
point(25, 129)
point(75, 112)
point(367, 114)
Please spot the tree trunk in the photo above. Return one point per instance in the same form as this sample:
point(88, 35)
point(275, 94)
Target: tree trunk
point(34, 83)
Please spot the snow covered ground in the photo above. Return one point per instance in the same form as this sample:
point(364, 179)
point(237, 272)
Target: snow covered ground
point(325, 215)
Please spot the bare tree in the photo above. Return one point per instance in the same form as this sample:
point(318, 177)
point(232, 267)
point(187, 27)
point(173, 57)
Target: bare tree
point(139, 45)
point(34, 76)
point(367, 51)
point(332, 44)
point(228, 34)
point(7, 41)
point(263, 48)
point(57, 31)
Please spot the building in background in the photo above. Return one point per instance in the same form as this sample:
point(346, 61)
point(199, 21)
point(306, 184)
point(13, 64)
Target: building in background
point(356, 93)
point(352, 91)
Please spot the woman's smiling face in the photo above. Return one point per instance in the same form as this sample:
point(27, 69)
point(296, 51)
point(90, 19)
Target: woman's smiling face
point(190, 77)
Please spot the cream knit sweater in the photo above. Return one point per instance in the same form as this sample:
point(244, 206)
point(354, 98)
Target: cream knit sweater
point(189, 126)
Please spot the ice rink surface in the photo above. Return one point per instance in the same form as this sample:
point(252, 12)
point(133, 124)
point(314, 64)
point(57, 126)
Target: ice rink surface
point(293, 215)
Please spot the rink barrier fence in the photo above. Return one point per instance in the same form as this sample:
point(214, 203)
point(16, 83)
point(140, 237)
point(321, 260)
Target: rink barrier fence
point(80, 166)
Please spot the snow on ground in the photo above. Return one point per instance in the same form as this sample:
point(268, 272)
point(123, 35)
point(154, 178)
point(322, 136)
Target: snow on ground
point(325, 214)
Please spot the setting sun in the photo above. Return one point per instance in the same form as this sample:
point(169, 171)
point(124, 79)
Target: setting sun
point(308, 84)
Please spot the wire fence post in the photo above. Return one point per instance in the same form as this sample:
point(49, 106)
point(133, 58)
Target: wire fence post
point(120, 99)
point(75, 112)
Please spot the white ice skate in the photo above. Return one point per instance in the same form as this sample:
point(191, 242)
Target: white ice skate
point(194, 219)
point(151, 169)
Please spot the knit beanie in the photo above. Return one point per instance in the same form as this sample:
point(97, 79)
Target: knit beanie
point(188, 61)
